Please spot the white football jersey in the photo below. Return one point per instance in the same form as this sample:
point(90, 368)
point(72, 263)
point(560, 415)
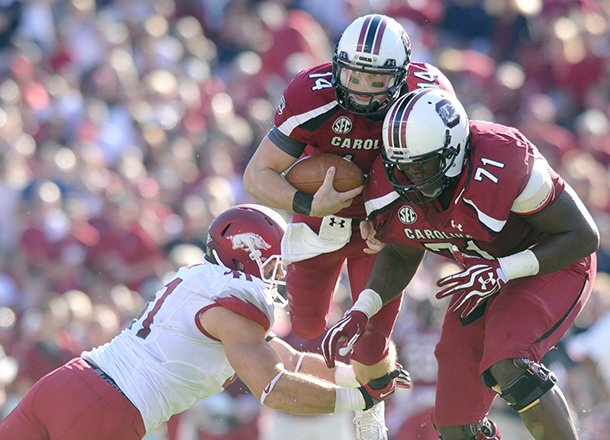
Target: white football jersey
point(164, 361)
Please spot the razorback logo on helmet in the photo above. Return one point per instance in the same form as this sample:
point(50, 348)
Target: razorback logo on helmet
point(448, 113)
point(248, 241)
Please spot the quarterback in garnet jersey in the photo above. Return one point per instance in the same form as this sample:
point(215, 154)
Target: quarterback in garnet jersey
point(309, 120)
point(336, 108)
point(482, 194)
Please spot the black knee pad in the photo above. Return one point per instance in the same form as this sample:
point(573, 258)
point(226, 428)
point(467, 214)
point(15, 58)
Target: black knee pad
point(485, 430)
point(524, 391)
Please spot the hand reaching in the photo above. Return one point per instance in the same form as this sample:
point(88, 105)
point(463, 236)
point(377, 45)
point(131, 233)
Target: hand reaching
point(367, 232)
point(479, 280)
point(341, 337)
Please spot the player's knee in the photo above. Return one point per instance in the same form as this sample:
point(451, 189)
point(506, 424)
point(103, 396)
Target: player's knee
point(521, 382)
point(484, 430)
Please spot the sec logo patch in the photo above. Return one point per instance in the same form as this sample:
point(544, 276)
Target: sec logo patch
point(407, 215)
point(342, 125)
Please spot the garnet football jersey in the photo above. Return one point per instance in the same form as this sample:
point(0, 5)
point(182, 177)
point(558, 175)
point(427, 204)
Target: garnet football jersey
point(310, 120)
point(504, 178)
point(164, 361)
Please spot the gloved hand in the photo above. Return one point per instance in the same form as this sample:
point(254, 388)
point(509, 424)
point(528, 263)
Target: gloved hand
point(381, 388)
point(403, 380)
point(341, 337)
point(479, 280)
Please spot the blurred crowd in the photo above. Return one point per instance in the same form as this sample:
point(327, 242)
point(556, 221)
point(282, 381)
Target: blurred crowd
point(125, 126)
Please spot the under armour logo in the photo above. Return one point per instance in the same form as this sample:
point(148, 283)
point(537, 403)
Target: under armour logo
point(484, 282)
point(457, 226)
point(333, 221)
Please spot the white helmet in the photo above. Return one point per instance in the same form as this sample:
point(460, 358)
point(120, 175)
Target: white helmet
point(425, 138)
point(370, 64)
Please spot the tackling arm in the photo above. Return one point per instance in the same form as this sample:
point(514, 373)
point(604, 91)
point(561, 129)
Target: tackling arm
point(313, 364)
point(257, 364)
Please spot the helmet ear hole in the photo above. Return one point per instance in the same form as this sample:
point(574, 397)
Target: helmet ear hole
point(237, 264)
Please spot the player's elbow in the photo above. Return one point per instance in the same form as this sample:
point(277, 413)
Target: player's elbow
point(593, 240)
point(249, 179)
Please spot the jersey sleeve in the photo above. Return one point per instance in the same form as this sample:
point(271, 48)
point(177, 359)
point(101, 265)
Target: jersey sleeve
point(247, 302)
point(424, 75)
point(502, 164)
point(308, 98)
point(442, 81)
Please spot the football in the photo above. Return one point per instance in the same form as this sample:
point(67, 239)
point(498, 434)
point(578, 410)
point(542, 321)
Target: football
point(307, 174)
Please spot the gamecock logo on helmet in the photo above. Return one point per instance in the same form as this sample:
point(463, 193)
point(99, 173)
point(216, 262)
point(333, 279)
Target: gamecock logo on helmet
point(448, 113)
point(248, 241)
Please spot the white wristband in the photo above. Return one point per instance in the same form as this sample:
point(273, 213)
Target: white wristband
point(348, 399)
point(519, 265)
point(345, 377)
point(369, 302)
point(299, 362)
point(267, 390)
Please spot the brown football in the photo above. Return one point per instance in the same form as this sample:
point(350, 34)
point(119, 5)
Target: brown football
point(307, 174)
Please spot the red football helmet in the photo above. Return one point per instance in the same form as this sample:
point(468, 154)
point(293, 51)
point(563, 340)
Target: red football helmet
point(248, 238)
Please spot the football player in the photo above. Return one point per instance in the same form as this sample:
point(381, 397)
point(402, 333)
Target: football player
point(210, 323)
point(482, 194)
point(337, 108)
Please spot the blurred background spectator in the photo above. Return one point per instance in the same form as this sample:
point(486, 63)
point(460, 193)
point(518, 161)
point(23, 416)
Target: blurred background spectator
point(125, 126)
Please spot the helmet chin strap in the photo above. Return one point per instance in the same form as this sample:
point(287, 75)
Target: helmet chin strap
point(217, 259)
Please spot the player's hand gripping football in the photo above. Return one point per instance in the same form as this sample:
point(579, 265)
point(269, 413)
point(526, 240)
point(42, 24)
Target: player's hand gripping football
point(327, 200)
point(381, 388)
point(341, 337)
point(479, 280)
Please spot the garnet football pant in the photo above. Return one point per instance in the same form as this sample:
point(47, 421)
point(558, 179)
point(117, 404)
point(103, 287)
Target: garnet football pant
point(311, 283)
point(73, 403)
point(525, 320)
